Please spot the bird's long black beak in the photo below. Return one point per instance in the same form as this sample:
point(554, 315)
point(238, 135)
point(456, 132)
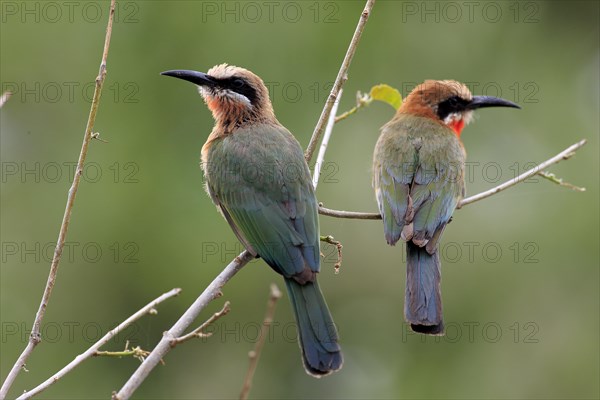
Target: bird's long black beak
point(489, 101)
point(199, 78)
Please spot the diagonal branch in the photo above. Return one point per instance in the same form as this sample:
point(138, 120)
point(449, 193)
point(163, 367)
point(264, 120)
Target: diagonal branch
point(93, 351)
point(211, 292)
point(563, 155)
point(35, 338)
point(341, 78)
point(325, 142)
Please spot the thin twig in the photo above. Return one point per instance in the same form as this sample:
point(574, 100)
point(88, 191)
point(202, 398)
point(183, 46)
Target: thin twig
point(211, 292)
point(4, 98)
point(136, 352)
point(199, 331)
point(254, 355)
point(341, 78)
point(348, 214)
point(35, 337)
point(147, 309)
point(559, 181)
point(362, 100)
point(563, 155)
point(331, 240)
point(325, 142)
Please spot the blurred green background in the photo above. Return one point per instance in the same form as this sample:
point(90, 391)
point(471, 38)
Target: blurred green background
point(520, 270)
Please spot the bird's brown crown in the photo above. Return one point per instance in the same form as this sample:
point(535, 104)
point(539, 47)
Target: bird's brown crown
point(427, 98)
point(444, 101)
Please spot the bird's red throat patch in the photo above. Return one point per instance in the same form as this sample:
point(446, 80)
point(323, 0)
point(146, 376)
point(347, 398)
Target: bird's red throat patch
point(457, 126)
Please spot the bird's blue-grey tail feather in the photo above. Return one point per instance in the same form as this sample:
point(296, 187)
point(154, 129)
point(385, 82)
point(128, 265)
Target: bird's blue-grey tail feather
point(423, 297)
point(317, 334)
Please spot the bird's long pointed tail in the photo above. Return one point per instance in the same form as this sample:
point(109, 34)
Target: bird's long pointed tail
point(423, 297)
point(317, 334)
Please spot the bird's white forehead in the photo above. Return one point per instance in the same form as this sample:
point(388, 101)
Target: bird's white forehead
point(458, 89)
point(222, 71)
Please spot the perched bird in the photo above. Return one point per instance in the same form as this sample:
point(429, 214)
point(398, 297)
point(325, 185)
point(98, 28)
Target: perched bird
point(258, 178)
point(418, 177)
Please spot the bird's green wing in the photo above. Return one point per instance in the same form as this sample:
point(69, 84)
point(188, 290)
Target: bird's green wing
point(419, 179)
point(261, 182)
point(394, 163)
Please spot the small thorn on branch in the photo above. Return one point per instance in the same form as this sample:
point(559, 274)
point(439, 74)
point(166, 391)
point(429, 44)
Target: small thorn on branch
point(199, 332)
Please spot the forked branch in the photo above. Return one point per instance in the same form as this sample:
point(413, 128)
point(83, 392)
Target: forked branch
point(93, 351)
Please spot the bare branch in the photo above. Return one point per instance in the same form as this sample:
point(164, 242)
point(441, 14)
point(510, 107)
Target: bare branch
point(211, 292)
point(199, 332)
point(35, 338)
point(341, 78)
point(325, 142)
point(92, 351)
point(254, 355)
point(563, 155)
point(348, 214)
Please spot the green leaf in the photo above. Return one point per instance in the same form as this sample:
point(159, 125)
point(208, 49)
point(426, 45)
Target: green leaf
point(387, 94)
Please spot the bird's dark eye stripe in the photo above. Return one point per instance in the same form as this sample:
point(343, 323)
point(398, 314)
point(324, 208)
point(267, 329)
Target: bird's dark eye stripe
point(237, 83)
point(233, 82)
point(451, 105)
point(241, 86)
